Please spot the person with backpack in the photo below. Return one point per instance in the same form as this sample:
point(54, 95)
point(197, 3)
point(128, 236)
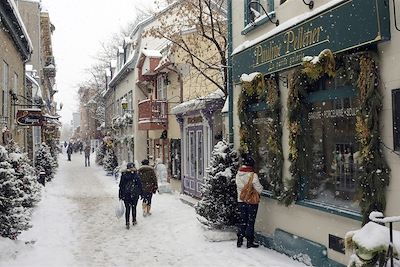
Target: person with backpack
point(130, 188)
point(248, 211)
point(149, 181)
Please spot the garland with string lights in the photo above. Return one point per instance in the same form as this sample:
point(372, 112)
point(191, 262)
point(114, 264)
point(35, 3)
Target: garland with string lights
point(261, 89)
point(362, 71)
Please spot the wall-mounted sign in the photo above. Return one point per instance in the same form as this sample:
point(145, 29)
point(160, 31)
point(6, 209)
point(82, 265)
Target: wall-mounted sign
point(29, 117)
point(347, 25)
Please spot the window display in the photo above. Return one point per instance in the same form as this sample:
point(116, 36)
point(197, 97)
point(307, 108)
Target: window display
point(335, 163)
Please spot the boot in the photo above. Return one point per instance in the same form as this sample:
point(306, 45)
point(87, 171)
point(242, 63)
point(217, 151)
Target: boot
point(239, 241)
point(144, 207)
point(252, 244)
point(148, 210)
point(134, 222)
point(127, 226)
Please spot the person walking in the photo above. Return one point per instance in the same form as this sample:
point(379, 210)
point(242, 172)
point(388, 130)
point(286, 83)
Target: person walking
point(69, 151)
point(130, 188)
point(87, 155)
point(248, 212)
point(150, 185)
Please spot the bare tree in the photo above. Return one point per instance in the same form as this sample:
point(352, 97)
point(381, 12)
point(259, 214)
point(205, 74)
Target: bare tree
point(96, 81)
point(198, 28)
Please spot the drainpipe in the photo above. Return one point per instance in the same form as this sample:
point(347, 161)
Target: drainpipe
point(230, 85)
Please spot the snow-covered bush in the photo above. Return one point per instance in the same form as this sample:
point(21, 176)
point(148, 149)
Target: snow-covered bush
point(218, 205)
point(26, 173)
point(110, 160)
point(100, 153)
point(14, 218)
point(44, 162)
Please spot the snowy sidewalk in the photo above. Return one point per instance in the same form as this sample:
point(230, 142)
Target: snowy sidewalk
point(75, 225)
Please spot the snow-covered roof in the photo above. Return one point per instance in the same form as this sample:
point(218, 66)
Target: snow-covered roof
point(225, 108)
point(151, 53)
point(108, 72)
point(285, 25)
point(21, 25)
point(198, 103)
point(32, 79)
point(128, 62)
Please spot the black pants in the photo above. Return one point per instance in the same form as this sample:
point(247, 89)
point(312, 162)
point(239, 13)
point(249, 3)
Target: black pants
point(130, 204)
point(147, 197)
point(87, 161)
point(69, 156)
point(248, 214)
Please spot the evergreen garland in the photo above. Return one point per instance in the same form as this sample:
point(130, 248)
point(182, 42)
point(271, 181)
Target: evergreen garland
point(261, 89)
point(362, 71)
point(374, 172)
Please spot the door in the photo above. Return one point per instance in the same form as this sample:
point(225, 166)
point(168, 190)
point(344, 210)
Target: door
point(194, 172)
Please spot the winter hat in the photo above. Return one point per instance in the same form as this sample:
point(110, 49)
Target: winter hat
point(145, 162)
point(248, 160)
point(130, 165)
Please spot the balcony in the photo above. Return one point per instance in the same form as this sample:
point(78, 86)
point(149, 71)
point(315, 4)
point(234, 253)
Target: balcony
point(153, 114)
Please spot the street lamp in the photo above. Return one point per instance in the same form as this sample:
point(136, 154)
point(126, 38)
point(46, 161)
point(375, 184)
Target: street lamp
point(124, 104)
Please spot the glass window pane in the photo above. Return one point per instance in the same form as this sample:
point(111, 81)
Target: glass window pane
point(192, 154)
point(263, 123)
point(335, 153)
point(199, 154)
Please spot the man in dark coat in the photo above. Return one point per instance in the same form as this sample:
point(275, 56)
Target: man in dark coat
point(69, 151)
point(87, 154)
point(149, 181)
point(130, 188)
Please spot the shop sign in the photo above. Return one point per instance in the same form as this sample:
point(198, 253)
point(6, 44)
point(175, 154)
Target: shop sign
point(29, 117)
point(350, 24)
point(332, 113)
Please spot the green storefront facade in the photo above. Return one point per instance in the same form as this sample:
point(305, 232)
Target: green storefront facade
point(346, 28)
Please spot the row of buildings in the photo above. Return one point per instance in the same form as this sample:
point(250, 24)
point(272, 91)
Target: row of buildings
point(310, 89)
point(27, 80)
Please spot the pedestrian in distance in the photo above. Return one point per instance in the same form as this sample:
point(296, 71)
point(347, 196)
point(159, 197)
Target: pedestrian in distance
point(130, 189)
point(149, 182)
point(87, 155)
point(248, 212)
point(69, 151)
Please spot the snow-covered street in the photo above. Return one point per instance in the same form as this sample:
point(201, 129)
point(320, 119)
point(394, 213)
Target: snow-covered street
point(75, 225)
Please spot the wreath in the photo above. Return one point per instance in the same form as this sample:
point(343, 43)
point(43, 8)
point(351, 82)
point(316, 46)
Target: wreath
point(362, 71)
point(262, 89)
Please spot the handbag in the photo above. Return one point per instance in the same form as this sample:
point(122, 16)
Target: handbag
point(249, 194)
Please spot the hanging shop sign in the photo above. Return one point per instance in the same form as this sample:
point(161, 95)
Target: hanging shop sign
point(347, 25)
point(29, 117)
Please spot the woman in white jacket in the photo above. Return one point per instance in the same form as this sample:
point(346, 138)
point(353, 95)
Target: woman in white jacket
point(248, 212)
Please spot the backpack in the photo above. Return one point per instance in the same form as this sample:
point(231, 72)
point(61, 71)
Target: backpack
point(132, 187)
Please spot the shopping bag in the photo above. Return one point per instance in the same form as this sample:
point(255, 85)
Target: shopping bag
point(119, 209)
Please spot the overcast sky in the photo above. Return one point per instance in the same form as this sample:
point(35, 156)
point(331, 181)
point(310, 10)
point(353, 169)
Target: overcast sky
point(81, 25)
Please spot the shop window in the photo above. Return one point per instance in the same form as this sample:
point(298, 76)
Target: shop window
point(263, 123)
point(396, 119)
point(335, 152)
point(252, 10)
